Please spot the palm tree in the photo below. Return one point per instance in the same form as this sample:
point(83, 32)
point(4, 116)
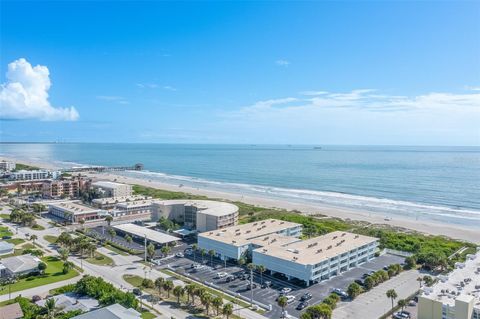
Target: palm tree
point(211, 253)
point(241, 261)
point(108, 219)
point(402, 303)
point(194, 249)
point(217, 302)
point(203, 252)
point(420, 279)
point(64, 253)
point(168, 286)
point(112, 233)
point(206, 300)
point(91, 249)
point(51, 308)
point(199, 292)
point(178, 292)
point(159, 285)
point(282, 302)
point(33, 238)
point(151, 251)
point(392, 294)
point(227, 310)
point(261, 269)
point(128, 238)
point(190, 289)
point(67, 266)
point(165, 250)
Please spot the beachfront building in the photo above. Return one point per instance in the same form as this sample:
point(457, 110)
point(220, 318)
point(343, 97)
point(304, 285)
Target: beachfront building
point(318, 258)
point(238, 241)
point(112, 189)
point(141, 207)
point(454, 296)
point(74, 211)
point(18, 265)
point(141, 232)
point(7, 166)
point(69, 188)
point(276, 245)
point(25, 175)
point(110, 202)
point(201, 215)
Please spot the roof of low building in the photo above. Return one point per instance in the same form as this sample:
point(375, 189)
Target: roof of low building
point(21, 263)
point(70, 301)
point(6, 246)
point(151, 234)
point(108, 184)
point(209, 207)
point(75, 207)
point(115, 311)
point(12, 311)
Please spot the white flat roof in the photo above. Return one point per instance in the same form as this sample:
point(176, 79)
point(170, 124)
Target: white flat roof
point(108, 184)
point(119, 199)
point(151, 234)
point(75, 207)
point(315, 250)
point(452, 283)
point(209, 207)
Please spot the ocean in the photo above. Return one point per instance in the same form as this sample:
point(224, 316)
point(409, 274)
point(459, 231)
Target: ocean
point(428, 183)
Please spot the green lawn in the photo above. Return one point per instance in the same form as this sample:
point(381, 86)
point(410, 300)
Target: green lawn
point(4, 231)
point(51, 239)
point(15, 241)
point(100, 260)
point(133, 280)
point(147, 315)
point(52, 274)
point(38, 227)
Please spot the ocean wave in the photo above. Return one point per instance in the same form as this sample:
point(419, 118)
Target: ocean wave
point(384, 206)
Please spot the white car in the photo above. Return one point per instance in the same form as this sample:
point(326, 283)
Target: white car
point(179, 255)
point(286, 290)
point(290, 298)
point(221, 274)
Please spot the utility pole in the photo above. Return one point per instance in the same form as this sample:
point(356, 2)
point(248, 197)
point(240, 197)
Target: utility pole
point(145, 244)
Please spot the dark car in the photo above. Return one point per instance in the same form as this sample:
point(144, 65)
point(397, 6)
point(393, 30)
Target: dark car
point(6, 237)
point(302, 305)
point(230, 278)
point(306, 296)
point(137, 292)
point(359, 282)
point(252, 286)
point(365, 276)
point(266, 284)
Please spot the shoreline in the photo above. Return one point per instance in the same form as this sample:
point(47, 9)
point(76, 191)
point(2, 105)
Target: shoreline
point(422, 226)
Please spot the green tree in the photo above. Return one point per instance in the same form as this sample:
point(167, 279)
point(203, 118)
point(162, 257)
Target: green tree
point(227, 310)
point(354, 290)
point(261, 269)
point(159, 285)
point(211, 253)
point(165, 250)
point(203, 252)
point(111, 232)
point(33, 238)
point(392, 294)
point(178, 292)
point(51, 308)
point(402, 303)
point(41, 267)
point(194, 250)
point(64, 253)
point(410, 262)
point(282, 302)
point(241, 261)
point(147, 283)
point(369, 282)
point(206, 300)
point(67, 266)
point(128, 238)
point(151, 251)
point(168, 286)
point(321, 311)
point(217, 302)
point(109, 219)
point(190, 290)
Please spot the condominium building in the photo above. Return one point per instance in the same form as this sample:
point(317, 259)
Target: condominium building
point(111, 202)
point(113, 189)
point(454, 296)
point(7, 166)
point(61, 188)
point(202, 215)
point(74, 211)
point(136, 207)
point(276, 245)
point(238, 241)
point(25, 175)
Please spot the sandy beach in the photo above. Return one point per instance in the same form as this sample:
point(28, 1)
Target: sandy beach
point(424, 226)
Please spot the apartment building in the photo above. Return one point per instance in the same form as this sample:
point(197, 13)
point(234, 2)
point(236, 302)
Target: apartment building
point(7, 166)
point(112, 189)
point(25, 175)
point(74, 211)
point(61, 188)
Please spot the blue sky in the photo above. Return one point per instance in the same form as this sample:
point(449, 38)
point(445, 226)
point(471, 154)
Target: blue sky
point(403, 73)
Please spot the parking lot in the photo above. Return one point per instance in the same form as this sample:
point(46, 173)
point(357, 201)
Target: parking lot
point(268, 296)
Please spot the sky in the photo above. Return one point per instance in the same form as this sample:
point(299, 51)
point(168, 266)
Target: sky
point(345, 73)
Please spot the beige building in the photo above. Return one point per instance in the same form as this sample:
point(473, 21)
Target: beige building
point(61, 188)
point(454, 296)
point(74, 211)
point(113, 189)
point(111, 202)
point(202, 215)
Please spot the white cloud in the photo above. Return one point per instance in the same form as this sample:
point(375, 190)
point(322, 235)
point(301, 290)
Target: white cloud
point(169, 88)
point(155, 86)
point(113, 98)
point(282, 62)
point(25, 94)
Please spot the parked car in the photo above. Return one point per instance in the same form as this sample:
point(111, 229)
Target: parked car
point(359, 282)
point(342, 293)
point(285, 290)
point(179, 255)
point(306, 296)
point(401, 315)
point(302, 305)
point(137, 292)
point(365, 275)
point(290, 298)
point(266, 284)
point(230, 278)
point(221, 274)
point(412, 303)
point(252, 286)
